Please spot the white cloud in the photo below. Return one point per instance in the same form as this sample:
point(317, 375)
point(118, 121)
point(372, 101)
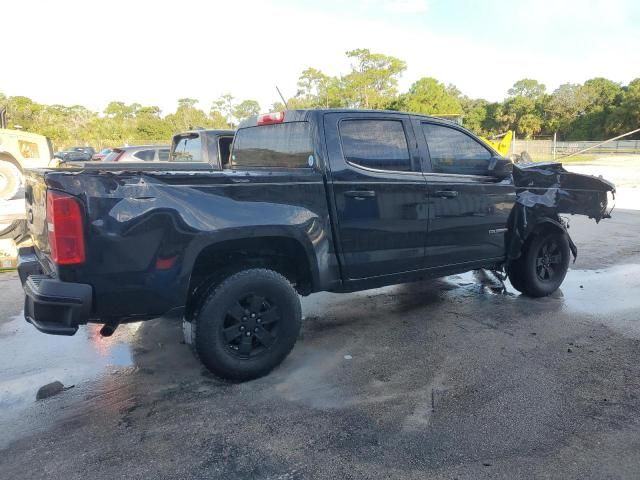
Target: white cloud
point(407, 6)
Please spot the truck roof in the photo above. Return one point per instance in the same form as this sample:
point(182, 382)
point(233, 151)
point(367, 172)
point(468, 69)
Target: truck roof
point(300, 115)
point(215, 131)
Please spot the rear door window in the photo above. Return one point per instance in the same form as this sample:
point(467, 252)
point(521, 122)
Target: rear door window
point(375, 144)
point(188, 148)
point(283, 145)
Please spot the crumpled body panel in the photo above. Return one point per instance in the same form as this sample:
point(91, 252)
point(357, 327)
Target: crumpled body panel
point(546, 190)
point(550, 185)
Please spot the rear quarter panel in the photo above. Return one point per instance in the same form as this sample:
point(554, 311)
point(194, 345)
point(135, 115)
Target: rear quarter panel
point(145, 230)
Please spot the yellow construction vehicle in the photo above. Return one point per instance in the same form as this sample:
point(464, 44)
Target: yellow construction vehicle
point(19, 150)
point(500, 143)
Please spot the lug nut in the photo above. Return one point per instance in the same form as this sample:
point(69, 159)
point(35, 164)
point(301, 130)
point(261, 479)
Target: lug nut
point(259, 320)
point(242, 328)
point(244, 319)
point(255, 329)
point(253, 315)
point(248, 334)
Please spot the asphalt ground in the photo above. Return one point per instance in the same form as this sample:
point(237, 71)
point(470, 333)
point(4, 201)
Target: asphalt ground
point(441, 379)
point(449, 378)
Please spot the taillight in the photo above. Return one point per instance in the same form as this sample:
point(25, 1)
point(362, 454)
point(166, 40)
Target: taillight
point(271, 118)
point(64, 225)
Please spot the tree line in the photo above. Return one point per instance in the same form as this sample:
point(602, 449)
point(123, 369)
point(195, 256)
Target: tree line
point(596, 109)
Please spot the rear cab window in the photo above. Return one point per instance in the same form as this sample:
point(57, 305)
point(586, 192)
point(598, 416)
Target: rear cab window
point(280, 145)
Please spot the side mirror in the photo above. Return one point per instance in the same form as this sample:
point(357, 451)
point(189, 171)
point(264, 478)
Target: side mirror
point(500, 167)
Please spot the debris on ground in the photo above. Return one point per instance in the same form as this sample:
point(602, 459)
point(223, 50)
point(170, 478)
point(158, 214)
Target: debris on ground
point(49, 390)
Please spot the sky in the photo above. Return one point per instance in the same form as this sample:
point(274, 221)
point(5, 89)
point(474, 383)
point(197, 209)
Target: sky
point(154, 52)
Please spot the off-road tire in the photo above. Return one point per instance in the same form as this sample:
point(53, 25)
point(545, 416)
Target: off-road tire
point(10, 180)
point(208, 330)
point(530, 275)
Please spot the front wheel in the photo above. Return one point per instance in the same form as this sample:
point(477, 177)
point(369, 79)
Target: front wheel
point(543, 264)
point(247, 324)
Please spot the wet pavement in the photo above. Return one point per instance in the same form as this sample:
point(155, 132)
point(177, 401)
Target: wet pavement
point(449, 378)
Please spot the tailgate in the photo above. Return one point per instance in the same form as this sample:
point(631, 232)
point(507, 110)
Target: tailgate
point(35, 197)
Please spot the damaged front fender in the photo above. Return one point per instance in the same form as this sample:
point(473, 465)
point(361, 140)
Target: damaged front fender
point(546, 190)
point(550, 185)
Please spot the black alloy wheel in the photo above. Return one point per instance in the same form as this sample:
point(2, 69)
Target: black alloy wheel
point(549, 260)
point(246, 324)
point(543, 264)
point(251, 325)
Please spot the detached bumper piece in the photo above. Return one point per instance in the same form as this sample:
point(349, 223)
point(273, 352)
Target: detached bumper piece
point(50, 305)
point(56, 307)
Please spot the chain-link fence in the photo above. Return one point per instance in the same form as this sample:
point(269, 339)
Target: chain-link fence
point(549, 150)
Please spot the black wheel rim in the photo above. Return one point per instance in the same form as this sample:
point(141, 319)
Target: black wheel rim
point(549, 261)
point(250, 326)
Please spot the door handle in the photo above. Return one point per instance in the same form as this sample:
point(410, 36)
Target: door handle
point(446, 193)
point(360, 194)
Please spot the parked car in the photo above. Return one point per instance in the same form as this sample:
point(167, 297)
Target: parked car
point(139, 153)
point(71, 156)
point(88, 151)
point(210, 146)
point(75, 154)
point(312, 200)
point(101, 154)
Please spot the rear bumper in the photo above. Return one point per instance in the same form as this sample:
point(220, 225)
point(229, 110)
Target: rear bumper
point(50, 305)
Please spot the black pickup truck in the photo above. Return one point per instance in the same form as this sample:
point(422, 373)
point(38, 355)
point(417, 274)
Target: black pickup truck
point(309, 201)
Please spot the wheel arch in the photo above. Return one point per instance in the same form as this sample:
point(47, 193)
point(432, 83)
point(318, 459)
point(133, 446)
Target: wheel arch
point(7, 157)
point(547, 223)
point(284, 254)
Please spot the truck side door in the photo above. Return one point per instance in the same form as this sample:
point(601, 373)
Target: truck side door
point(468, 208)
point(379, 193)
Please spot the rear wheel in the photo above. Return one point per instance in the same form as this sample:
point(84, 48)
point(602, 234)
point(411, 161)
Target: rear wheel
point(10, 180)
point(247, 324)
point(543, 265)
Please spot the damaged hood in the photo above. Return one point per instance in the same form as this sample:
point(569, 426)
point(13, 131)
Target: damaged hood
point(550, 185)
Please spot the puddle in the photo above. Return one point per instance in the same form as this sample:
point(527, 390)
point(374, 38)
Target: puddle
point(30, 359)
point(608, 291)
point(605, 292)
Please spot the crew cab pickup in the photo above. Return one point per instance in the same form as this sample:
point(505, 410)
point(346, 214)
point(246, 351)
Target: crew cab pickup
point(309, 201)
